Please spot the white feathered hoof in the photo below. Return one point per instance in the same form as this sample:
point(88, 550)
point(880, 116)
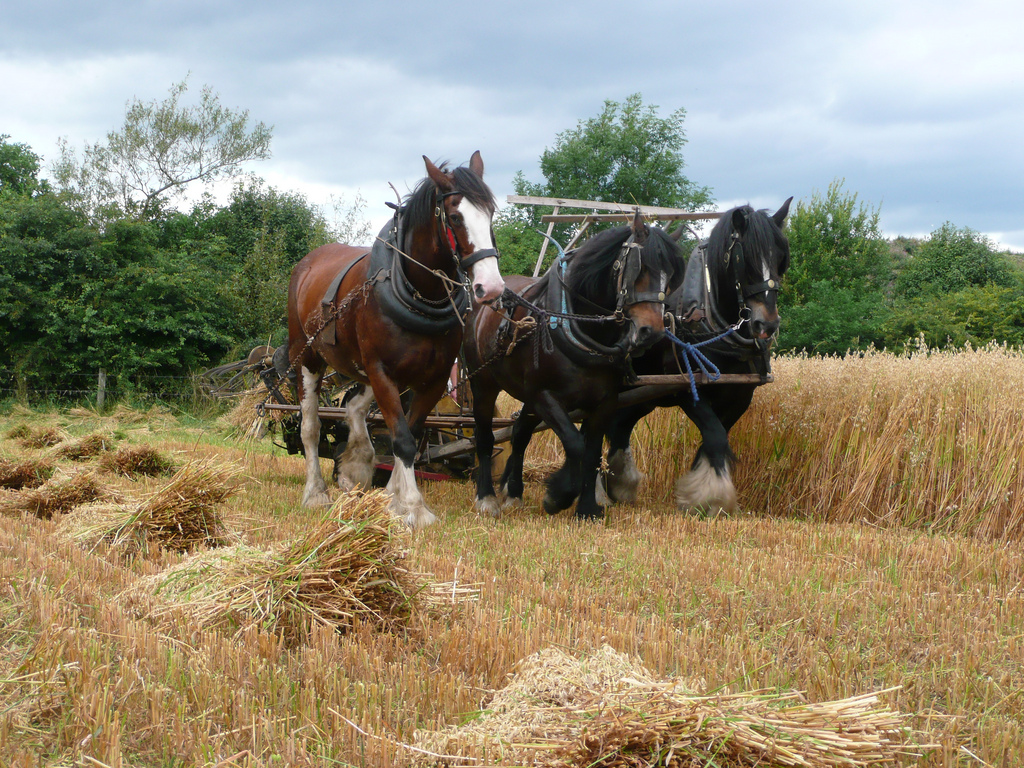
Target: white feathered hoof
point(623, 476)
point(705, 491)
point(600, 494)
point(489, 505)
point(316, 498)
point(415, 516)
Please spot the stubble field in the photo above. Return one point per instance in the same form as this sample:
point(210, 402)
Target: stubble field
point(880, 548)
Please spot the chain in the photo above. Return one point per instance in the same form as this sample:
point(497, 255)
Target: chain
point(334, 314)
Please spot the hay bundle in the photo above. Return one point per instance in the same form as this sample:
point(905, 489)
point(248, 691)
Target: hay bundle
point(43, 437)
point(347, 569)
point(134, 460)
point(180, 516)
point(84, 447)
point(245, 422)
point(56, 496)
point(30, 473)
point(607, 710)
point(18, 432)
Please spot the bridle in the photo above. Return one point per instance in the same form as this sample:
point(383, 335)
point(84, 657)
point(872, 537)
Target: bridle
point(735, 262)
point(445, 234)
point(627, 268)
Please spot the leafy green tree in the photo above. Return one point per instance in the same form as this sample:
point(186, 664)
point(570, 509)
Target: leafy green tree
point(19, 169)
point(952, 259)
point(834, 294)
point(161, 148)
point(626, 154)
point(976, 314)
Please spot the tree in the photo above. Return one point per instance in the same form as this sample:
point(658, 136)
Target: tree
point(19, 169)
point(952, 259)
point(626, 154)
point(833, 296)
point(161, 148)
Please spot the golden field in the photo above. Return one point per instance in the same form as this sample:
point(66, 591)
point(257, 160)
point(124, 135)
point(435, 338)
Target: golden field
point(880, 548)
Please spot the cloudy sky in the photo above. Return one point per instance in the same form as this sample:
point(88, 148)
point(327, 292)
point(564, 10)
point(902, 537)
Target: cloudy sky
point(918, 106)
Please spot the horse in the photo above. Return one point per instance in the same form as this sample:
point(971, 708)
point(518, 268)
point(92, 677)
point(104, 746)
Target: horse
point(594, 308)
point(390, 319)
point(727, 306)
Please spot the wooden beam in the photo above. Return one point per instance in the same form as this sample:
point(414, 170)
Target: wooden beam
point(570, 218)
point(544, 247)
point(597, 205)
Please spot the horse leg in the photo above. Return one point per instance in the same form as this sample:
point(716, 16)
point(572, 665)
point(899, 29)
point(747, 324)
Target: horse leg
point(623, 478)
point(484, 398)
point(407, 502)
point(588, 507)
point(354, 467)
point(708, 486)
point(565, 484)
point(512, 478)
point(315, 493)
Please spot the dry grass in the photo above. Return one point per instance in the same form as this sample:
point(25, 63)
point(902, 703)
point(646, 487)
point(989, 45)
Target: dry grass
point(606, 710)
point(135, 460)
point(348, 569)
point(57, 496)
point(28, 473)
point(180, 516)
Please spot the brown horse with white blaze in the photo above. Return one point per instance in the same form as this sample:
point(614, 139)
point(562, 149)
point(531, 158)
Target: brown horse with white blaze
point(391, 318)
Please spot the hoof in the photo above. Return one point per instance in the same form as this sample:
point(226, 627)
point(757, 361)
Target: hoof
point(415, 516)
point(705, 491)
point(352, 475)
point(488, 505)
point(600, 494)
point(623, 476)
point(316, 499)
point(552, 507)
point(512, 502)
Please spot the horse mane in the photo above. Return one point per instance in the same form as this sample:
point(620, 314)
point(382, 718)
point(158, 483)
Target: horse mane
point(420, 204)
point(592, 263)
point(761, 235)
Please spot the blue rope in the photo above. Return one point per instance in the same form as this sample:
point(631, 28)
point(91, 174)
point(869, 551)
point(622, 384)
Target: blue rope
point(709, 369)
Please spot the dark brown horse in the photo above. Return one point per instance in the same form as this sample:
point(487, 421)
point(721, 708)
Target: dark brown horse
point(392, 318)
point(593, 309)
point(726, 312)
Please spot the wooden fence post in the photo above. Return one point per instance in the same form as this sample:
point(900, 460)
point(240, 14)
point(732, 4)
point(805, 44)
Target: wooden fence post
point(101, 389)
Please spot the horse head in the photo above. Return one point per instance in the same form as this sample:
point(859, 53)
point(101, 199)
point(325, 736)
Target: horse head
point(465, 207)
point(756, 256)
point(646, 267)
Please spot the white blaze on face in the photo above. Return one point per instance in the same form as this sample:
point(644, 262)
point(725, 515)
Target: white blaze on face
point(484, 275)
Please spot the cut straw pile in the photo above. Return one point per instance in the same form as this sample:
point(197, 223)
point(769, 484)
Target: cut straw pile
point(180, 516)
point(245, 422)
point(30, 473)
point(38, 438)
point(84, 447)
point(57, 496)
point(134, 460)
point(607, 710)
point(347, 570)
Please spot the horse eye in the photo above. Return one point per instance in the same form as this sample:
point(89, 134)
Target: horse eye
point(456, 218)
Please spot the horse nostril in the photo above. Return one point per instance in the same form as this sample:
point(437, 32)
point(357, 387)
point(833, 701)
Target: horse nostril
point(480, 291)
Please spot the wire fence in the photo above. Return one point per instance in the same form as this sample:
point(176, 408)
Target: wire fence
point(94, 388)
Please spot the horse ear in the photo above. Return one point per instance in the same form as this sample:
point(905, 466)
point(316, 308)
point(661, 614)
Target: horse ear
point(739, 220)
point(678, 234)
point(780, 215)
point(476, 164)
point(639, 228)
point(439, 177)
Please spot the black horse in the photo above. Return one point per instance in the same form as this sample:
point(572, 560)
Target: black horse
point(725, 310)
point(593, 308)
